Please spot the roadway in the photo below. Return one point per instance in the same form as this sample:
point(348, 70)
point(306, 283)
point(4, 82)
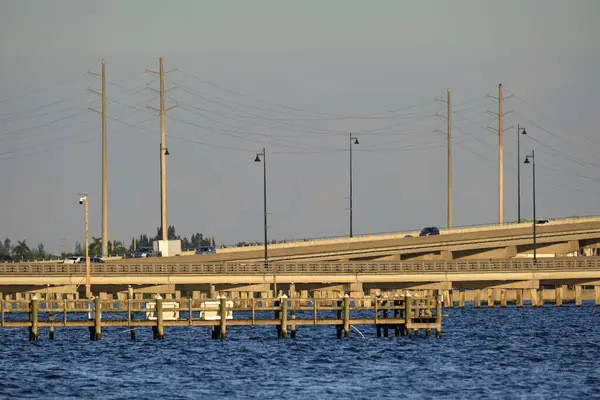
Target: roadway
point(560, 237)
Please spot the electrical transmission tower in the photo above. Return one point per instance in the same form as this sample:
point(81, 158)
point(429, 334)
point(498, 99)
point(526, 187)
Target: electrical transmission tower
point(500, 115)
point(104, 194)
point(448, 133)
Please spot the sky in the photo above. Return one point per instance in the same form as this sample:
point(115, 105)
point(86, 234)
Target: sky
point(295, 78)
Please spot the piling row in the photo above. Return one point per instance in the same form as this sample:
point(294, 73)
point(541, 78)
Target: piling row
point(405, 315)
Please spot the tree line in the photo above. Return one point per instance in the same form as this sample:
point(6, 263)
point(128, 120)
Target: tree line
point(21, 250)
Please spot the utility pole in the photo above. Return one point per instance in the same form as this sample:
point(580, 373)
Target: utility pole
point(500, 159)
point(448, 133)
point(164, 151)
point(355, 142)
point(65, 246)
point(104, 176)
point(134, 243)
point(500, 132)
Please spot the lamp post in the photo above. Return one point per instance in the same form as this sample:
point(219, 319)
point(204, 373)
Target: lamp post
point(520, 131)
point(88, 292)
point(257, 159)
point(532, 157)
point(355, 142)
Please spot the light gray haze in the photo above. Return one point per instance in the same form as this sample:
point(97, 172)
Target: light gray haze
point(295, 77)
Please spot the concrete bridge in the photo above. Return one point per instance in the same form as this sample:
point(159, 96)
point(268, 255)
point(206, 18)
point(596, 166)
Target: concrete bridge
point(343, 277)
point(558, 238)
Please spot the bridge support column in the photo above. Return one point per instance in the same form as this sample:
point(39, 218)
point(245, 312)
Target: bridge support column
point(503, 300)
point(448, 303)
point(558, 295)
point(461, 298)
point(519, 302)
point(534, 297)
point(477, 298)
point(541, 297)
point(578, 295)
point(490, 297)
point(597, 295)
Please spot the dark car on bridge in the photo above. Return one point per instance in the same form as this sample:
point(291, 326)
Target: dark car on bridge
point(429, 231)
point(5, 258)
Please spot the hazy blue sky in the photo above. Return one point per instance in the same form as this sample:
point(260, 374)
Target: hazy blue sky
point(294, 77)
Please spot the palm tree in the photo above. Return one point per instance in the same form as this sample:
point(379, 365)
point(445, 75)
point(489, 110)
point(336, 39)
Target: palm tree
point(21, 249)
point(96, 246)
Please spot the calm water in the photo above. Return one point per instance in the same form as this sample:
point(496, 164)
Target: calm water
point(511, 353)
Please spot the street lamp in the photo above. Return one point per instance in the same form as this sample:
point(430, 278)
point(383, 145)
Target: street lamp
point(355, 142)
point(520, 131)
point(532, 157)
point(257, 159)
point(88, 292)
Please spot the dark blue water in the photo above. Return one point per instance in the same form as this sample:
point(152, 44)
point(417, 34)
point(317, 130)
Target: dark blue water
point(507, 353)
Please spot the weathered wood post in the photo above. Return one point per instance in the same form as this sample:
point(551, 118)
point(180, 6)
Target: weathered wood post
point(346, 315)
point(477, 298)
point(558, 295)
point(597, 295)
point(97, 319)
point(338, 313)
point(375, 301)
point(408, 314)
point(438, 317)
point(159, 331)
point(396, 316)
point(223, 311)
point(519, 301)
point(33, 317)
point(578, 295)
point(283, 316)
point(293, 310)
point(130, 306)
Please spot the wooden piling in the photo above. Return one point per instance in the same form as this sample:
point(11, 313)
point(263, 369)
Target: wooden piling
point(597, 295)
point(97, 334)
point(346, 315)
point(283, 315)
point(223, 312)
point(578, 295)
point(293, 311)
point(477, 298)
point(159, 331)
point(33, 317)
point(461, 298)
point(408, 314)
point(519, 293)
point(540, 301)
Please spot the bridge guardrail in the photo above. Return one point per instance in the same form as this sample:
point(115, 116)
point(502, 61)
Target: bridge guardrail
point(300, 268)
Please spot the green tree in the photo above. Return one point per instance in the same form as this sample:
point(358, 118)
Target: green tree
point(95, 247)
point(21, 249)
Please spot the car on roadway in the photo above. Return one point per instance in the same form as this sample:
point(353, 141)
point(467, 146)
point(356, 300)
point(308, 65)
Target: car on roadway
point(206, 250)
point(72, 260)
point(93, 260)
point(145, 252)
point(542, 222)
point(429, 231)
